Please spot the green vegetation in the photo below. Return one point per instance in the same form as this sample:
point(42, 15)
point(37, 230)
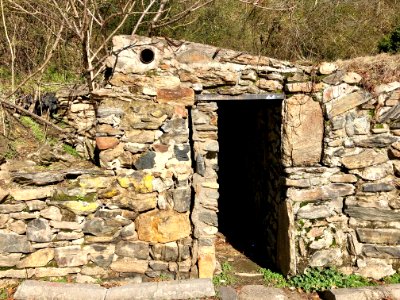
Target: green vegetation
point(90, 197)
point(11, 153)
point(35, 128)
point(309, 29)
point(56, 74)
point(273, 279)
point(70, 150)
point(393, 279)
point(317, 279)
point(63, 279)
point(3, 294)
point(225, 277)
point(324, 30)
point(163, 277)
point(391, 42)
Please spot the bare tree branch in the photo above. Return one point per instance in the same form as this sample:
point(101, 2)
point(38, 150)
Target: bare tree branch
point(145, 12)
point(10, 45)
point(27, 112)
point(197, 5)
point(261, 5)
point(43, 65)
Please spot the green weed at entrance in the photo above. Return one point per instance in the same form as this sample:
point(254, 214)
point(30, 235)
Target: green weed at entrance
point(273, 279)
point(316, 279)
point(226, 276)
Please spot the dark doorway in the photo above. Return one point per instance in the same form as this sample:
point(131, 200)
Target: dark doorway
point(250, 176)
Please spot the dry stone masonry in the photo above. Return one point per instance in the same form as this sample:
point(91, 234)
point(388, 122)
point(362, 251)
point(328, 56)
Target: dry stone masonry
point(327, 173)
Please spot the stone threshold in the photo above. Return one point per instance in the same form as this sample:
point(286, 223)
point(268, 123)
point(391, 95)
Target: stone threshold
point(185, 289)
point(260, 292)
point(390, 292)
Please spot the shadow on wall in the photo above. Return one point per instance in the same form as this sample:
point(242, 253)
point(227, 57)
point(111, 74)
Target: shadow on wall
point(249, 177)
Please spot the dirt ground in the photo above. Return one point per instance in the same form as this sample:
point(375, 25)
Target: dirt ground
point(246, 271)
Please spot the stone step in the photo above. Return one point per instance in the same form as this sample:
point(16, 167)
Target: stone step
point(185, 289)
point(391, 291)
point(260, 292)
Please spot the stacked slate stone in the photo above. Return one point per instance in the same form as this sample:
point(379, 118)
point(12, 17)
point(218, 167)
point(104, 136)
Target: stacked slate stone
point(77, 111)
point(143, 128)
point(344, 195)
point(146, 144)
point(205, 208)
point(328, 194)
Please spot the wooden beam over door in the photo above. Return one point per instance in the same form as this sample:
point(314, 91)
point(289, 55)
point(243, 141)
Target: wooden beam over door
point(244, 97)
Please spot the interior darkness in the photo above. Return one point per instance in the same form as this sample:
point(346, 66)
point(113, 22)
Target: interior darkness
point(249, 139)
point(146, 56)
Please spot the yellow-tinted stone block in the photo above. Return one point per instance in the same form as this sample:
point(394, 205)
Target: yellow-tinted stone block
point(124, 181)
point(206, 262)
point(161, 226)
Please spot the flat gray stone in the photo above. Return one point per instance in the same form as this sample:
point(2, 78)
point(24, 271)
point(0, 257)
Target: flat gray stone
point(391, 291)
point(10, 208)
point(41, 290)
point(378, 141)
point(377, 187)
point(381, 251)
point(378, 235)
point(185, 289)
point(138, 249)
point(182, 197)
point(372, 214)
point(14, 243)
point(260, 292)
point(227, 293)
point(38, 178)
point(39, 230)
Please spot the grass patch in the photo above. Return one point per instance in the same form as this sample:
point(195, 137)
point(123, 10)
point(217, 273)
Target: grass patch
point(70, 150)
point(392, 279)
point(62, 279)
point(36, 129)
point(273, 279)
point(10, 153)
point(378, 126)
point(226, 277)
point(319, 279)
point(3, 294)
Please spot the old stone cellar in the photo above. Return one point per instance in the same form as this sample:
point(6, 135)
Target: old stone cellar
point(296, 164)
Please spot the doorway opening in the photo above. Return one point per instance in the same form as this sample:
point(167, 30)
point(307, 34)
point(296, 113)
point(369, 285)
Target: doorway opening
point(251, 191)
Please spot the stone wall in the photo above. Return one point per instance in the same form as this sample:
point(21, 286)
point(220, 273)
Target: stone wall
point(344, 197)
point(327, 174)
point(78, 114)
